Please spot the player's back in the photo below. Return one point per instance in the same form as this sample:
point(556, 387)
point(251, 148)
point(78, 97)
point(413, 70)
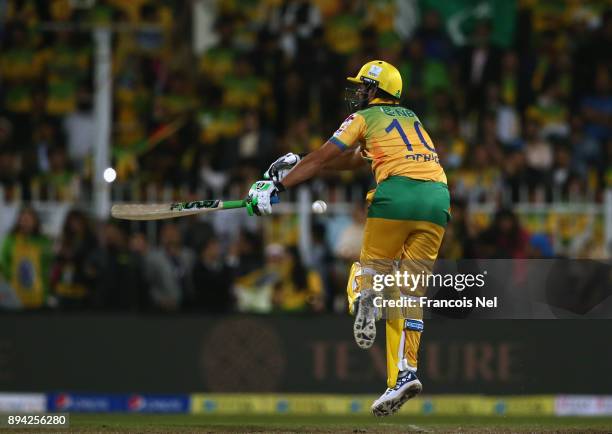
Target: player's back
point(396, 143)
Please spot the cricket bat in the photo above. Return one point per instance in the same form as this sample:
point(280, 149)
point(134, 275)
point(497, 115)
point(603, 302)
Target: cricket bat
point(172, 209)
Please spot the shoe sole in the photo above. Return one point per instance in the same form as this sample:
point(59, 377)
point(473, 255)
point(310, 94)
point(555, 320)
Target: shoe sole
point(364, 327)
point(387, 408)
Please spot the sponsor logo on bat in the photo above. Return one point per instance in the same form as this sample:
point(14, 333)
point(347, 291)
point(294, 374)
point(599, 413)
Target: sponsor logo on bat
point(196, 204)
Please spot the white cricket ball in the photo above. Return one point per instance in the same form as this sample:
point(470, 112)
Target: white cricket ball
point(109, 174)
point(319, 207)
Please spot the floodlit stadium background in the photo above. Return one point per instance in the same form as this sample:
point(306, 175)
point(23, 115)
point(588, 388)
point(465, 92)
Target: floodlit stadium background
point(192, 100)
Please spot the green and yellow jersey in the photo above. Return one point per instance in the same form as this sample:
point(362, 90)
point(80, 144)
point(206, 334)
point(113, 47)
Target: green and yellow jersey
point(395, 142)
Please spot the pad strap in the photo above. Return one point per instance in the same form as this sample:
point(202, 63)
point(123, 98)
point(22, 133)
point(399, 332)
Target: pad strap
point(413, 324)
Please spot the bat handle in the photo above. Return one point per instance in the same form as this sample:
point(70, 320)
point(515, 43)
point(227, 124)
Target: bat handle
point(231, 204)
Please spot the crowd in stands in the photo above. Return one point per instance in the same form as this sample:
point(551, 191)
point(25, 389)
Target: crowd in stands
point(107, 266)
point(525, 116)
point(534, 112)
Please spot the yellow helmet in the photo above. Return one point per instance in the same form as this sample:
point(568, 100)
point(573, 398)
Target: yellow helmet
point(383, 74)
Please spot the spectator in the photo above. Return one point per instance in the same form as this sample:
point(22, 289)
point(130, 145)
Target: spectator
point(479, 180)
point(213, 276)
point(551, 112)
point(586, 151)
point(117, 272)
point(71, 273)
point(169, 270)
point(9, 167)
point(254, 143)
point(348, 246)
point(479, 66)
point(255, 290)
point(562, 173)
point(436, 43)
point(508, 117)
point(293, 22)
point(283, 284)
point(458, 238)
point(25, 259)
point(60, 182)
point(138, 248)
point(426, 73)
point(504, 238)
point(515, 175)
point(79, 129)
point(597, 108)
point(509, 86)
point(249, 249)
point(298, 288)
point(342, 29)
point(450, 144)
point(539, 156)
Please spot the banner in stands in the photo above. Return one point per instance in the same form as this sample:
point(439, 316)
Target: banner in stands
point(22, 402)
point(117, 354)
point(583, 405)
point(108, 403)
point(461, 17)
point(448, 405)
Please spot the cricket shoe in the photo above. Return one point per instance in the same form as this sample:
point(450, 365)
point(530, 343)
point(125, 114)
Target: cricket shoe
point(364, 327)
point(406, 387)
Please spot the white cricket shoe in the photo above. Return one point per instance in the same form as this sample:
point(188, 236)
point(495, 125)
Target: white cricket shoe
point(364, 327)
point(406, 387)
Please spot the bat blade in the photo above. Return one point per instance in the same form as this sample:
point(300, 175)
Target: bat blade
point(171, 209)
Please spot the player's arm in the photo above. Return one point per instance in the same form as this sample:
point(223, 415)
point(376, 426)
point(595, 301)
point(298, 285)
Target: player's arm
point(262, 193)
point(312, 164)
point(338, 153)
point(350, 159)
point(328, 157)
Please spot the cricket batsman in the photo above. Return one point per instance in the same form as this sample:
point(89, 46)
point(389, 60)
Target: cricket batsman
point(407, 213)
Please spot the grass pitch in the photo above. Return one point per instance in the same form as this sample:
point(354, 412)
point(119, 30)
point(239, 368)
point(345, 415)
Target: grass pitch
point(328, 424)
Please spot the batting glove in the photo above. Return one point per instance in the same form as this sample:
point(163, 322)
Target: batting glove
point(261, 197)
point(281, 167)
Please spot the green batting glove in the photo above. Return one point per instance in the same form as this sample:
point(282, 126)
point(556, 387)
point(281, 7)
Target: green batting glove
point(262, 195)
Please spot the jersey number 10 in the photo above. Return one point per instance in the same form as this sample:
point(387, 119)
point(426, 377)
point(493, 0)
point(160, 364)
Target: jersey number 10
point(417, 127)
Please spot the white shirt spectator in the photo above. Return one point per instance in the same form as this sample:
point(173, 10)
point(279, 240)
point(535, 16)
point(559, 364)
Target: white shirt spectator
point(79, 128)
point(539, 155)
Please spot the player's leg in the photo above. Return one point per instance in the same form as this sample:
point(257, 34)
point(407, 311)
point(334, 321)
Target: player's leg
point(354, 284)
point(383, 242)
point(418, 256)
point(404, 334)
point(423, 209)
